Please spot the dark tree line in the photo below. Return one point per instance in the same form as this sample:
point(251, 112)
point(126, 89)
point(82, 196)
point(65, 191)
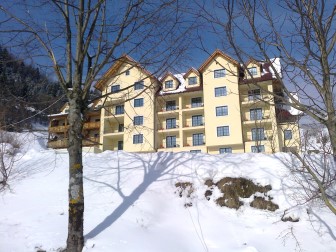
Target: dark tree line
point(26, 95)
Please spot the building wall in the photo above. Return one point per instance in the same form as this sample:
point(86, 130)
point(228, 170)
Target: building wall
point(231, 100)
point(267, 121)
point(214, 89)
point(126, 76)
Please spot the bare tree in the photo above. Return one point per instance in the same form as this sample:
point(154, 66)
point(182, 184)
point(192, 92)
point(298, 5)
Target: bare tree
point(79, 38)
point(302, 34)
point(9, 146)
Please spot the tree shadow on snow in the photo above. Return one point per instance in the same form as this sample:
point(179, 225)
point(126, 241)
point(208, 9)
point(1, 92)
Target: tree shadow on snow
point(154, 166)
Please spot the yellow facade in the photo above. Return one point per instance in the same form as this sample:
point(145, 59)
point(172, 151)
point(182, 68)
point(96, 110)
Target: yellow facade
point(215, 109)
point(128, 109)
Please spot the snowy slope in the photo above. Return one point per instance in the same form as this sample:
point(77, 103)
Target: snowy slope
point(131, 205)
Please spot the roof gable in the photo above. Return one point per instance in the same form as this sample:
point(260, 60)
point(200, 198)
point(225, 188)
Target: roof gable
point(169, 74)
point(215, 54)
point(191, 70)
point(125, 59)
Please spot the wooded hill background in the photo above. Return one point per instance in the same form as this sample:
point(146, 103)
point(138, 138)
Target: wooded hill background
point(27, 96)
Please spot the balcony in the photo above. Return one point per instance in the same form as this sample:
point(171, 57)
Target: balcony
point(65, 128)
point(165, 146)
point(262, 99)
point(91, 141)
point(193, 107)
point(167, 110)
point(91, 125)
point(263, 120)
point(265, 138)
point(189, 126)
point(58, 129)
point(58, 144)
point(114, 132)
point(63, 143)
point(193, 144)
point(109, 114)
point(161, 128)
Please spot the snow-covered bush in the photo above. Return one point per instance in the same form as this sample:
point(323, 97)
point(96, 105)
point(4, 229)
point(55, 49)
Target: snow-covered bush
point(9, 146)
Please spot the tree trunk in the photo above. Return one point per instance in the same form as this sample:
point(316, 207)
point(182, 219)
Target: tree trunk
point(331, 126)
point(75, 240)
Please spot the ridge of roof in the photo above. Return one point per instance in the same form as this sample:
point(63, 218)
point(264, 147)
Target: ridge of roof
point(213, 55)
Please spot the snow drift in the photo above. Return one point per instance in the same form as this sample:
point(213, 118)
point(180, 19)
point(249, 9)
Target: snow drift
point(131, 204)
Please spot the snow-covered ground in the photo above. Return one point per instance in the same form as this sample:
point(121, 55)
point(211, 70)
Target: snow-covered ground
point(131, 204)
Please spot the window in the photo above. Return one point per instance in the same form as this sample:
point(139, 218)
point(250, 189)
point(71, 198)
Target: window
point(138, 138)
point(225, 150)
point(288, 134)
point(256, 114)
point(170, 105)
point(219, 73)
point(222, 111)
point(220, 91)
point(197, 120)
point(223, 131)
point(119, 110)
point(169, 84)
point(170, 141)
point(120, 145)
point(197, 139)
point(258, 148)
point(252, 70)
point(195, 151)
point(196, 102)
point(138, 120)
point(254, 95)
point(138, 85)
point(121, 127)
point(127, 72)
point(171, 123)
point(138, 102)
point(192, 80)
point(258, 134)
point(115, 88)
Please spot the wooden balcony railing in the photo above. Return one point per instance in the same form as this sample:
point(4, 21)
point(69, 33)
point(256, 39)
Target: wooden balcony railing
point(58, 144)
point(55, 129)
point(64, 128)
point(91, 125)
point(63, 143)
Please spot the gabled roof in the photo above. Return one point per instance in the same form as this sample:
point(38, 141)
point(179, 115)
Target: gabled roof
point(171, 75)
point(251, 60)
point(216, 53)
point(64, 106)
point(114, 68)
point(191, 70)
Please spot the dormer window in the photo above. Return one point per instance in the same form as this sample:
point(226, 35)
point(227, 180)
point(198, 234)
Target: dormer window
point(219, 73)
point(252, 71)
point(168, 84)
point(192, 80)
point(115, 88)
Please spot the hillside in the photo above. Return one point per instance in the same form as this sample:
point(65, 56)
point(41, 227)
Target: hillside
point(27, 94)
point(132, 204)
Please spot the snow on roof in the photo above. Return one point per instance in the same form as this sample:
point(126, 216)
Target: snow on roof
point(292, 110)
point(59, 114)
point(180, 89)
point(277, 65)
point(267, 67)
